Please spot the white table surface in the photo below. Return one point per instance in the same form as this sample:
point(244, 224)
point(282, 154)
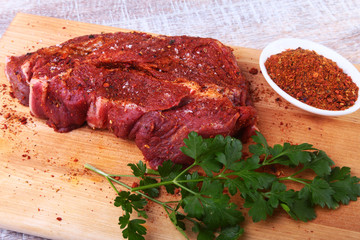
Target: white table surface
point(247, 23)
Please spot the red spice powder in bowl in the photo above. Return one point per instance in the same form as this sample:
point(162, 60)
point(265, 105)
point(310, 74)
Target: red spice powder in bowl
point(311, 76)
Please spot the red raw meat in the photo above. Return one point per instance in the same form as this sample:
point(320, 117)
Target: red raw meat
point(153, 89)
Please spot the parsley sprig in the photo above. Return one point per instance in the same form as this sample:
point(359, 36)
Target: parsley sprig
point(206, 198)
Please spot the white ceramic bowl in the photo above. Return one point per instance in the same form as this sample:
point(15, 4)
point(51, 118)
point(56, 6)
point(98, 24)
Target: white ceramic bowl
point(293, 43)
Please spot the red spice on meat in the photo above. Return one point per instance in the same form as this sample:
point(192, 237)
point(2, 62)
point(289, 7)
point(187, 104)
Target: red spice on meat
point(313, 79)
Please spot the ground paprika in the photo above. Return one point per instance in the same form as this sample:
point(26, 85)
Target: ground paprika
point(313, 79)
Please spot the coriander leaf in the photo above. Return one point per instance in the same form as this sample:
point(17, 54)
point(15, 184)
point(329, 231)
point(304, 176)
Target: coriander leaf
point(258, 149)
point(276, 150)
point(212, 188)
point(298, 147)
point(192, 184)
point(301, 209)
point(138, 169)
point(208, 160)
point(298, 157)
point(258, 180)
point(129, 202)
point(260, 139)
point(338, 173)
point(168, 172)
point(135, 230)
point(124, 220)
point(346, 187)
point(168, 169)
point(343, 191)
point(278, 187)
point(213, 212)
point(278, 194)
point(209, 164)
point(234, 184)
point(230, 233)
point(192, 206)
point(292, 155)
point(231, 153)
point(321, 193)
point(252, 163)
point(195, 145)
point(218, 212)
point(203, 151)
point(204, 233)
point(253, 179)
point(259, 207)
point(320, 163)
point(152, 192)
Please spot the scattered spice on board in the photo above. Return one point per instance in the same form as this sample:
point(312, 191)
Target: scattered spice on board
point(253, 71)
point(313, 79)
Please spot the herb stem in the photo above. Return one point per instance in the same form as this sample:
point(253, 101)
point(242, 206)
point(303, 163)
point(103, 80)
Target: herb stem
point(185, 188)
point(270, 161)
point(298, 172)
point(184, 171)
point(112, 185)
point(111, 180)
point(154, 185)
point(299, 180)
point(121, 175)
point(98, 171)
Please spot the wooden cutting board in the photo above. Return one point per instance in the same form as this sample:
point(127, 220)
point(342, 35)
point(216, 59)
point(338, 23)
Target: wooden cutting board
point(45, 190)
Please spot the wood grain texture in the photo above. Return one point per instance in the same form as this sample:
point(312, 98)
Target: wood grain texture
point(42, 176)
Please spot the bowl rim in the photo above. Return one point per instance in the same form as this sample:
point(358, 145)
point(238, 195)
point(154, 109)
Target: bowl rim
point(283, 44)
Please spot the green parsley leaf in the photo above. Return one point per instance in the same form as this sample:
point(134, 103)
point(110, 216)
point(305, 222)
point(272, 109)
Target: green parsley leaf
point(302, 209)
point(193, 207)
point(230, 233)
point(138, 169)
point(195, 146)
point(320, 163)
point(212, 188)
point(204, 233)
point(168, 172)
point(233, 184)
point(152, 192)
point(135, 230)
point(321, 193)
point(279, 195)
point(129, 202)
point(259, 207)
point(231, 153)
point(218, 212)
point(252, 179)
point(346, 187)
point(205, 198)
point(261, 147)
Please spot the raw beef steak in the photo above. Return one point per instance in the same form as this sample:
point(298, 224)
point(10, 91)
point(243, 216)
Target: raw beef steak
point(153, 89)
